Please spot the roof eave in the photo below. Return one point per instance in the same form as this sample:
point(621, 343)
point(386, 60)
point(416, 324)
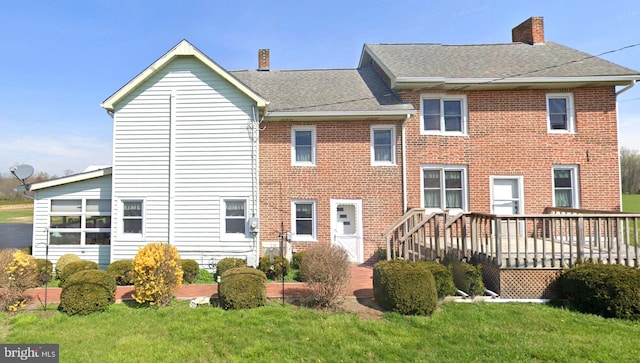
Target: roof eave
point(71, 179)
point(338, 115)
point(184, 48)
point(506, 83)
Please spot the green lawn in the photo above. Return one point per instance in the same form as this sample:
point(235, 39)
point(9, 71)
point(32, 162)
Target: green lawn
point(631, 203)
point(16, 211)
point(456, 333)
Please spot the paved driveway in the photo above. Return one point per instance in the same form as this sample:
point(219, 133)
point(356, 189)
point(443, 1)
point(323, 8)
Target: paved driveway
point(13, 235)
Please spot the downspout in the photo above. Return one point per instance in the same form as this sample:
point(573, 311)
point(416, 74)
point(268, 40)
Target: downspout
point(255, 194)
point(404, 165)
point(618, 93)
point(172, 176)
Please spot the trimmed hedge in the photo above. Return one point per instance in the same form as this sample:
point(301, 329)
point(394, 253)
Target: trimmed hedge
point(122, 271)
point(443, 277)
point(190, 269)
point(242, 288)
point(229, 263)
point(45, 270)
point(63, 261)
point(87, 291)
point(296, 259)
point(405, 287)
point(611, 291)
point(74, 267)
point(468, 278)
point(274, 269)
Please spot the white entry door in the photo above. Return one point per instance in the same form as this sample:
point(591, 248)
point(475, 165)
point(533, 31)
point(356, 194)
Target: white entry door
point(346, 227)
point(506, 199)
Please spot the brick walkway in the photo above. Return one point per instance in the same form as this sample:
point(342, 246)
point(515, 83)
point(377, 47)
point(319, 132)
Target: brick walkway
point(361, 286)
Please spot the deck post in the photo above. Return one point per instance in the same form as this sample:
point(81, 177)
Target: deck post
point(498, 242)
point(388, 247)
point(580, 241)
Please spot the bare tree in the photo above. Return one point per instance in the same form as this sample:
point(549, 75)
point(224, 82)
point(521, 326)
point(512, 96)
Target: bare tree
point(630, 170)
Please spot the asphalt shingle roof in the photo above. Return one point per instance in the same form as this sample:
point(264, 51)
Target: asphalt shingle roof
point(512, 60)
point(322, 90)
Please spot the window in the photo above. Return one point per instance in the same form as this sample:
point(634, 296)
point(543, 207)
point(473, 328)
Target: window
point(132, 216)
point(444, 187)
point(235, 216)
point(560, 112)
point(383, 145)
point(304, 220)
point(565, 186)
point(80, 222)
point(444, 114)
point(303, 145)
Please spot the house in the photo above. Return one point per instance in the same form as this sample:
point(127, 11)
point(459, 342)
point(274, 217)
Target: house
point(227, 163)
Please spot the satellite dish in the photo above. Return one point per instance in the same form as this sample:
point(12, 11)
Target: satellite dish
point(22, 172)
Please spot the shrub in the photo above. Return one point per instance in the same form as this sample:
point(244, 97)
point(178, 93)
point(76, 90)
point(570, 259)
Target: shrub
point(611, 291)
point(467, 278)
point(242, 288)
point(274, 267)
point(296, 259)
point(443, 277)
point(327, 270)
point(63, 261)
point(18, 272)
point(87, 291)
point(190, 270)
point(204, 277)
point(404, 287)
point(229, 263)
point(157, 274)
point(73, 267)
point(122, 271)
point(45, 271)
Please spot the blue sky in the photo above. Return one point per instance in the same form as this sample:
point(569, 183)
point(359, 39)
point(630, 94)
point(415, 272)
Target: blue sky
point(61, 59)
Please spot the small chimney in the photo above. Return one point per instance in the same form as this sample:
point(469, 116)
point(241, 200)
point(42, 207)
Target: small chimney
point(530, 31)
point(263, 59)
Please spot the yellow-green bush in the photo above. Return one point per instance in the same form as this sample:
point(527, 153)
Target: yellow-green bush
point(242, 288)
point(468, 278)
point(157, 274)
point(190, 269)
point(122, 270)
point(405, 287)
point(63, 261)
point(229, 263)
point(76, 266)
point(18, 272)
point(274, 267)
point(87, 291)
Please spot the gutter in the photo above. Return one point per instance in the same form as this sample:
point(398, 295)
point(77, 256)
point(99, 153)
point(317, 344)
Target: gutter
point(404, 165)
point(628, 87)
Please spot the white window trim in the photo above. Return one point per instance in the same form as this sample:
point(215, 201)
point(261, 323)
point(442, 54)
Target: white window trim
point(83, 214)
point(294, 162)
point(314, 235)
point(223, 217)
point(121, 232)
point(571, 123)
point(443, 168)
point(575, 184)
point(444, 97)
point(375, 162)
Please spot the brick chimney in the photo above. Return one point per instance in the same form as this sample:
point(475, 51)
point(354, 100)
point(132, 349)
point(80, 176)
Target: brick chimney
point(263, 59)
point(530, 31)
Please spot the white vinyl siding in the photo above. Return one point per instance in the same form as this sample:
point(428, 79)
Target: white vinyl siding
point(181, 143)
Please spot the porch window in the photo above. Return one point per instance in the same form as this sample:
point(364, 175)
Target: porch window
point(383, 145)
point(303, 146)
point(304, 221)
point(132, 216)
point(444, 187)
point(565, 186)
point(80, 222)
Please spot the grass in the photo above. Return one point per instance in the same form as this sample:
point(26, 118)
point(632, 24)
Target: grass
point(631, 203)
point(16, 211)
point(275, 333)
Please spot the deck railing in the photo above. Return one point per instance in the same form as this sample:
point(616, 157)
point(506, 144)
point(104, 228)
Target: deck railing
point(558, 239)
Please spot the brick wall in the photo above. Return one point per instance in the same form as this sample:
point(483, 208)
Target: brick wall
point(508, 136)
point(343, 171)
